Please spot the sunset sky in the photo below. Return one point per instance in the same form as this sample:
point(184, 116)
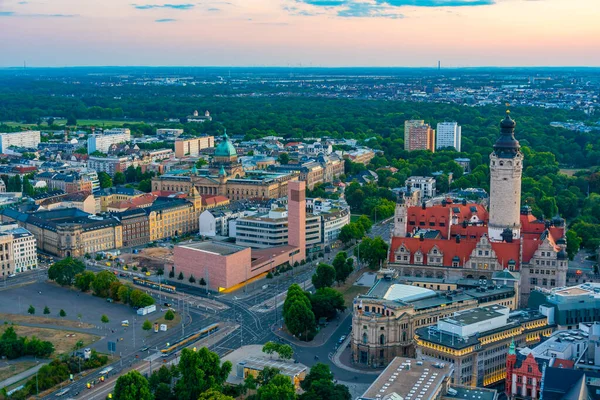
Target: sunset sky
point(300, 32)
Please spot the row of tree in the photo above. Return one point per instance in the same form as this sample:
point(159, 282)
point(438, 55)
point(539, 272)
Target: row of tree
point(200, 375)
point(13, 346)
point(71, 272)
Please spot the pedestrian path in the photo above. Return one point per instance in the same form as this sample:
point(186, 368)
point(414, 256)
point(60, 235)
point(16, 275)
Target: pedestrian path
point(23, 375)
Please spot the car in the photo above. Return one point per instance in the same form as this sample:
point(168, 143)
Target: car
point(109, 300)
point(342, 339)
point(12, 275)
point(148, 273)
point(145, 349)
point(123, 275)
point(168, 304)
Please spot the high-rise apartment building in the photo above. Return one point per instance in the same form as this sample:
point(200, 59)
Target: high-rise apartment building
point(448, 134)
point(29, 139)
point(192, 147)
point(418, 136)
point(102, 142)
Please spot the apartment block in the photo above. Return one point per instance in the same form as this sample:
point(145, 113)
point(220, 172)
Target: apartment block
point(192, 147)
point(28, 139)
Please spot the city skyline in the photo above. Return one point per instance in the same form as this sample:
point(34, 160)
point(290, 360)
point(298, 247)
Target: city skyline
point(412, 33)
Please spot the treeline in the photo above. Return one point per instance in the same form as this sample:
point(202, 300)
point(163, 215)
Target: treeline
point(12, 346)
point(105, 284)
point(200, 375)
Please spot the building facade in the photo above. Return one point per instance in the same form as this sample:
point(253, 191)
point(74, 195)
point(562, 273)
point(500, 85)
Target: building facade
point(27, 139)
point(6, 254)
point(385, 320)
point(192, 147)
point(418, 136)
point(448, 134)
point(476, 341)
point(103, 141)
point(426, 184)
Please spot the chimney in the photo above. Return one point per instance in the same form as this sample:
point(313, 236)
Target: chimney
point(444, 202)
point(422, 237)
point(424, 206)
point(464, 202)
point(457, 238)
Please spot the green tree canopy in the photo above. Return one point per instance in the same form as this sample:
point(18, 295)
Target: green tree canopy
point(63, 271)
point(200, 371)
point(132, 386)
point(324, 276)
point(101, 283)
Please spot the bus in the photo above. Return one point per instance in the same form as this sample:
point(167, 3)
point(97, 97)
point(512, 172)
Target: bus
point(106, 371)
point(153, 285)
point(188, 340)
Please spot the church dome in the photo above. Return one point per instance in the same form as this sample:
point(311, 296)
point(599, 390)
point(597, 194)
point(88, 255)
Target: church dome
point(225, 148)
point(507, 146)
point(562, 255)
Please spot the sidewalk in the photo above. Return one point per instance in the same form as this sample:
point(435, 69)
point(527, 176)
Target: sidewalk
point(342, 359)
point(22, 375)
point(323, 336)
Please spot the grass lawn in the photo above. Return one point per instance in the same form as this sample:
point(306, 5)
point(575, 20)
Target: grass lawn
point(170, 324)
point(32, 319)
point(6, 371)
point(63, 340)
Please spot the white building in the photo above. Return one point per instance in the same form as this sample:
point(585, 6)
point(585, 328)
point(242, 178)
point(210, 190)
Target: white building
point(169, 132)
point(426, 184)
point(263, 231)
point(448, 135)
point(21, 253)
point(102, 142)
point(28, 139)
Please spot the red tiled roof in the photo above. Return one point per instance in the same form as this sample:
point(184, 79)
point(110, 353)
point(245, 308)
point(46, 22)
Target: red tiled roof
point(506, 252)
point(435, 217)
point(214, 200)
point(449, 248)
point(471, 230)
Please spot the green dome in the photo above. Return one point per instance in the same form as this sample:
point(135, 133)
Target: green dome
point(225, 148)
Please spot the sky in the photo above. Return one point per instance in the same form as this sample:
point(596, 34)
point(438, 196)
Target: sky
point(401, 33)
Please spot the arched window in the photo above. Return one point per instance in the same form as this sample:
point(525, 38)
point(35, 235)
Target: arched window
point(382, 339)
point(404, 336)
point(365, 338)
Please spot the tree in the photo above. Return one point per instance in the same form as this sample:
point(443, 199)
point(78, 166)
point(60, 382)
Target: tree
point(102, 282)
point(147, 325)
point(132, 386)
point(326, 302)
point(284, 158)
point(573, 243)
point(200, 371)
point(201, 163)
point(343, 266)
point(104, 319)
point(62, 313)
point(162, 375)
point(213, 394)
point(63, 271)
point(113, 290)
point(125, 294)
point(83, 281)
point(71, 120)
point(169, 315)
point(145, 185)
point(31, 310)
point(365, 222)
point(192, 279)
point(324, 276)
point(278, 388)
point(46, 310)
point(180, 276)
point(318, 372)
point(202, 282)
point(171, 274)
point(300, 320)
point(285, 351)
point(270, 348)
point(119, 178)
point(372, 251)
point(105, 180)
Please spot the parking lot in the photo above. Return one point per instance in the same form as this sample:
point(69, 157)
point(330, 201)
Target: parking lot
point(87, 307)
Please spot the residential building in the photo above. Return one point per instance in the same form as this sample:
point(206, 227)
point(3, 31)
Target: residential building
point(70, 182)
point(418, 136)
point(26, 139)
point(261, 232)
point(361, 156)
point(83, 201)
point(448, 134)
point(102, 141)
point(192, 147)
point(465, 163)
point(24, 250)
point(169, 132)
point(110, 165)
point(6, 254)
point(476, 341)
point(384, 320)
point(426, 184)
point(135, 227)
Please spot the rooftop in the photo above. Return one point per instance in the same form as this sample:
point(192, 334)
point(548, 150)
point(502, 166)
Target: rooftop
point(475, 315)
point(410, 379)
point(285, 367)
point(461, 392)
point(219, 248)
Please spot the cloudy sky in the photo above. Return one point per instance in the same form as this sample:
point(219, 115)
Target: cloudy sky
point(300, 32)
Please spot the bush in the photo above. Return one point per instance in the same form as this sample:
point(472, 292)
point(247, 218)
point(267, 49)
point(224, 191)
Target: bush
point(169, 315)
point(269, 275)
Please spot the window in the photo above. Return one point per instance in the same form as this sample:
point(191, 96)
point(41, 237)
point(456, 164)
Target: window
point(529, 369)
point(382, 339)
point(533, 281)
point(365, 338)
